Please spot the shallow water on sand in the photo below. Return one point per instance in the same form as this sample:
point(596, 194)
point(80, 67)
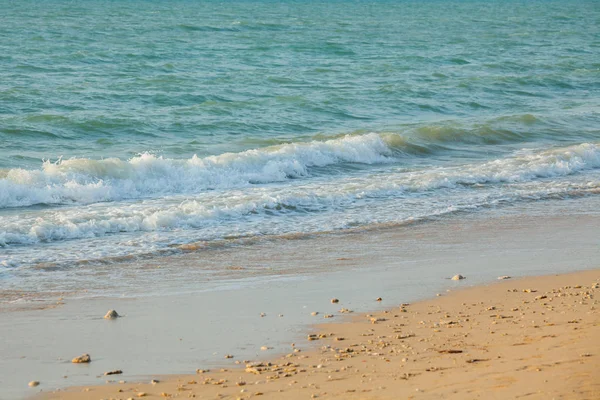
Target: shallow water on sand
point(197, 307)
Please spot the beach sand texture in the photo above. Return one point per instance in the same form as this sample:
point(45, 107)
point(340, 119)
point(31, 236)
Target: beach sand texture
point(534, 338)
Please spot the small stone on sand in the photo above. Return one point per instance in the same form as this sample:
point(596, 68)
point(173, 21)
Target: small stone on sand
point(84, 358)
point(228, 356)
point(379, 299)
point(458, 277)
point(115, 372)
point(111, 314)
point(314, 313)
point(334, 300)
point(503, 277)
point(33, 383)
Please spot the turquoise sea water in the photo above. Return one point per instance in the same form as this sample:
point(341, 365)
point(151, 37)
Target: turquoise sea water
point(130, 128)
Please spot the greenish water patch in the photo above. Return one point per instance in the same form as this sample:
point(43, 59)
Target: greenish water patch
point(130, 127)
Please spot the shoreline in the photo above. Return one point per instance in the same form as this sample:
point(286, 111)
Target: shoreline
point(434, 348)
point(209, 265)
point(176, 332)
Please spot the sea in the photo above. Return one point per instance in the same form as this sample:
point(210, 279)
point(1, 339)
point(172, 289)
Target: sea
point(135, 130)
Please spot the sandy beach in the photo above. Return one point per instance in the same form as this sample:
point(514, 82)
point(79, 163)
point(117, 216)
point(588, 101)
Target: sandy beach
point(168, 335)
point(271, 199)
point(534, 337)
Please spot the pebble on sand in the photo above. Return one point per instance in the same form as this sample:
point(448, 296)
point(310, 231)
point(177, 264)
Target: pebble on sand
point(84, 358)
point(379, 299)
point(33, 383)
point(334, 300)
point(503, 277)
point(115, 372)
point(458, 277)
point(111, 314)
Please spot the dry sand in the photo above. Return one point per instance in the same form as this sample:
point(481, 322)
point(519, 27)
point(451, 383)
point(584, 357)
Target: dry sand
point(536, 338)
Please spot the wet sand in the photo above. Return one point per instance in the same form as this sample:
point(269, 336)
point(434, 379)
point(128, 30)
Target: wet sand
point(535, 338)
point(181, 326)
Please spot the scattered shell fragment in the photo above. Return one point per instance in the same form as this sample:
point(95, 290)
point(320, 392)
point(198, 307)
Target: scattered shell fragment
point(379, 299)
point(262, 314)
point(84, 358)
point(111, 314)
point(314, 313)
point(504, 277)
point(228, 356)
point(328, 316)
point(33, 383)
point(458, 277)
point(476, 360)
point(334, 300)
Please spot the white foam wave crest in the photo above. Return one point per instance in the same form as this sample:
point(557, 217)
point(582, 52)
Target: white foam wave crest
point(526, 165)
point(210, 211)
point(86, 181)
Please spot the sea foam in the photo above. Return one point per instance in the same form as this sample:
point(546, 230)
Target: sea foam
point(85, 181)
point(210, 209)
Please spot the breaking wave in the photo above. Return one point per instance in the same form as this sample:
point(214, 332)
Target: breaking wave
point(336, 194)
point(85, 181)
